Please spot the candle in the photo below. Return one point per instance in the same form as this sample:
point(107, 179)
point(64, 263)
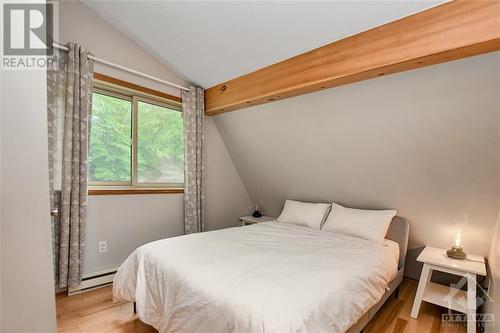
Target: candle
point(456, 250)
point(457, 239)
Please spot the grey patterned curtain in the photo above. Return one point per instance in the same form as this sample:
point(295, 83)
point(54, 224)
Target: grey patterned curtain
point(69, 98)
point(193, 109)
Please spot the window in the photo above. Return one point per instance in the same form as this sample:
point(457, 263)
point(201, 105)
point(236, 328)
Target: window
point(136, 140)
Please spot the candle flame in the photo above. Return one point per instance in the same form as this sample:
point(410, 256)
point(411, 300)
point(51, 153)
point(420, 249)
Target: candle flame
point(457, 238)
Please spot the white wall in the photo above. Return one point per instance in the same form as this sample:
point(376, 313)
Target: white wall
point(127, 222)
point(27, 282)
point(424, 142)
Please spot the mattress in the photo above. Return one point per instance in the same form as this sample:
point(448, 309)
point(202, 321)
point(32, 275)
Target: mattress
point(267, 277)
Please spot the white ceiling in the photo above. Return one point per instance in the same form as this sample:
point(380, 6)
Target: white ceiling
point(211, 42)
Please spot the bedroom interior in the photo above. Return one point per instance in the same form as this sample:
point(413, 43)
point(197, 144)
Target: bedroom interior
point(367, 133)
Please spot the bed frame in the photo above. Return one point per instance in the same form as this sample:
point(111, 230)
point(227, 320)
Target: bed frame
point(399, 231)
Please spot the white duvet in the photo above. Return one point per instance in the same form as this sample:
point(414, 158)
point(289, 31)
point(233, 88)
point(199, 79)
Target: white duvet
point(268, 277)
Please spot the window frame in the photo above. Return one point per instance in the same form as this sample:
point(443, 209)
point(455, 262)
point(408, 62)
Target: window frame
point(133, 186)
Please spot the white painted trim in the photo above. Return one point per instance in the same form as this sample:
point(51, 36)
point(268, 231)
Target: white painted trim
point(94, 280)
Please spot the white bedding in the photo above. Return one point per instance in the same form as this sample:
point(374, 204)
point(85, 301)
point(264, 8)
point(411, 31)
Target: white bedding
point(267, 277)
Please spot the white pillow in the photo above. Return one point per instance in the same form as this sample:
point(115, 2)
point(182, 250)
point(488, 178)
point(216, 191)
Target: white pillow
point(367, 224)
point(304, 213)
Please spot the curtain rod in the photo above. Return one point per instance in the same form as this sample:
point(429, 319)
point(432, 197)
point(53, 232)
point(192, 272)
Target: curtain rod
point(133, 71)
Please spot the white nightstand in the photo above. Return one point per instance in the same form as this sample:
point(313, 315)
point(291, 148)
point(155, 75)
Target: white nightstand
point(435, 259)
point(247, 220)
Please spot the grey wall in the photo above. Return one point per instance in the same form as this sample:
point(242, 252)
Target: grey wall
point(424, 142)
point(492, 306)
point(77, 23)
point(27, 283)
point(494, 287)
point(226, 197)
point(127, 222)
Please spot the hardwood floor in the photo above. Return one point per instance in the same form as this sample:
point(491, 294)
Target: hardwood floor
point(94, 312)
point(394, 316)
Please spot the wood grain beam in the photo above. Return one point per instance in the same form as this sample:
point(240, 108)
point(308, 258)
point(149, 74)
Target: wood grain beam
point(451, 31)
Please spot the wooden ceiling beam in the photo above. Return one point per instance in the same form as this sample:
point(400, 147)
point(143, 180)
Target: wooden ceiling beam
point(451, 31)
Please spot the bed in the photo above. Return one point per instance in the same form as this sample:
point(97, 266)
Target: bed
point(273, 277)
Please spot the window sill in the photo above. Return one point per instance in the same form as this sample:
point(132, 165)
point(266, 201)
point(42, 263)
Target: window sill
point(125, 191)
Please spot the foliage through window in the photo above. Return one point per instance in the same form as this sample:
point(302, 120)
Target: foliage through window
point(135, 141)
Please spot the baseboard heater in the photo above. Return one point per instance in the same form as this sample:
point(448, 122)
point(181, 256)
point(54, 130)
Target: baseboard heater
point(94, 280)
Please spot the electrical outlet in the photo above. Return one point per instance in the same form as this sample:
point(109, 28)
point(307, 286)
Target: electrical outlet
point(103, 246)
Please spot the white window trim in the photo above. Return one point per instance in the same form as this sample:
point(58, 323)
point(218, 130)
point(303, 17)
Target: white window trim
point(134, 97)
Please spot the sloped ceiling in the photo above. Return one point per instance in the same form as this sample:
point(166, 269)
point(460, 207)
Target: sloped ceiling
point(424, 142)
point(210, 42)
